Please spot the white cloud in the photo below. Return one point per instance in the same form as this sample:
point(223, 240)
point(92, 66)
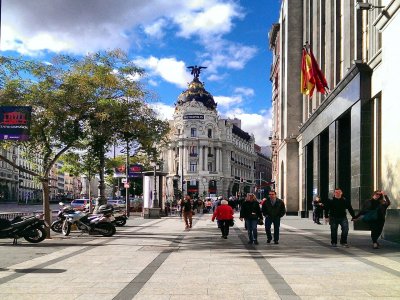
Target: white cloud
point(169, 69)
point(225, 54)
point(164, 111)
point(156, 29)
point(257, 124)
point(79, 27)
point(245, 91)
point(92, 25)
point(227, 102)
point(214, 20)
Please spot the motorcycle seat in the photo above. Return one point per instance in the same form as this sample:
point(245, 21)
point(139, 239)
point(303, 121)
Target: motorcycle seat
point(24, 221)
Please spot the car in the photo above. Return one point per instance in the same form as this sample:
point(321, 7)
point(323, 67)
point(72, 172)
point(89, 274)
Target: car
point(120, 203)
point(79, 204)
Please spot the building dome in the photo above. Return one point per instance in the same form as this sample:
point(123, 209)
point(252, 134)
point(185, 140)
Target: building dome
point(197, 93)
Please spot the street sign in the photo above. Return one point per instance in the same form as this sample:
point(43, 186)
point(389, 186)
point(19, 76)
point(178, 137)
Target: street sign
point(126, 185)
point(123, 180)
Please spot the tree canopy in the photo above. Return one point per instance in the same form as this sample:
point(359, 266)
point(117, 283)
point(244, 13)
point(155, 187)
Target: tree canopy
point(92, 102)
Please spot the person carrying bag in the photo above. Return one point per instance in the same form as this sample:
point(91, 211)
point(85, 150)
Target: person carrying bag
point(373, 213)
point(224, 215)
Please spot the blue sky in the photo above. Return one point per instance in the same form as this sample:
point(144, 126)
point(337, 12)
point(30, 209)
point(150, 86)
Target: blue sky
point(229, 37)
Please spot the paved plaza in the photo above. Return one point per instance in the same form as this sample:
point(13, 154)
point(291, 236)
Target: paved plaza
point(158, 259)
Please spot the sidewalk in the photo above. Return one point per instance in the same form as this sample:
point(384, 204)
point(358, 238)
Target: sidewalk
point(158, 259)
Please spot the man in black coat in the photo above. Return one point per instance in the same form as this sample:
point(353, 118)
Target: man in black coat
point(273, 210)
point(335, 214)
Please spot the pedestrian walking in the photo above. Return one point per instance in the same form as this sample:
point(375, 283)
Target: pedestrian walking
point(216, 203)
point(199, 205)
point(318, 208)
point(187, 211)
point(374, 213)
point(251, 213)
point(224, 215)
point(273, 210)
point(335, 214)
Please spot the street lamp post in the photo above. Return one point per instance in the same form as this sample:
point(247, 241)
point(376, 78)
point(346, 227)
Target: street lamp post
point(154, 211)
point(155, 200)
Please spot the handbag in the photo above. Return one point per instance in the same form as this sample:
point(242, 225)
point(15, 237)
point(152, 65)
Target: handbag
point(370, 216)
point(231, 223)
point(260, 221)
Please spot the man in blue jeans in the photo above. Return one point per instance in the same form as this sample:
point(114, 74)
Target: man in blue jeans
point(273, 210)
point(335, 214)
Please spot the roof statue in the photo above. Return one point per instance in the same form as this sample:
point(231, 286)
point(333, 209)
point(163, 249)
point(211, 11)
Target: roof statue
point(196, 70)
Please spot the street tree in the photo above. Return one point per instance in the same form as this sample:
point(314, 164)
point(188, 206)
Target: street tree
point(75, 103)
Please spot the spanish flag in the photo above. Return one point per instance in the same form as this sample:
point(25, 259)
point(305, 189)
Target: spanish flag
point(311, 75)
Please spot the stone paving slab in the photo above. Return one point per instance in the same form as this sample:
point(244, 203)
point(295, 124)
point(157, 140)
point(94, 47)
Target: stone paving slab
point(158, 259)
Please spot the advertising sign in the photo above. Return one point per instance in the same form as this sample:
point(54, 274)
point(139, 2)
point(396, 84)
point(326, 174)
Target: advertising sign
point(193, 117)
point(15, 122)
point(135, 171)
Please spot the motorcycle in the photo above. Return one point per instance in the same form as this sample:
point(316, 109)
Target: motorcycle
point(56, 226)
point(92, 224)
point(120, 218)
point(30, 228)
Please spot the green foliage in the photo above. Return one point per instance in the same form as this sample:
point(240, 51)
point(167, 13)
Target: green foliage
point(91, 102)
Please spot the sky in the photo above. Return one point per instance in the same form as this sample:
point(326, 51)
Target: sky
point(229, 37)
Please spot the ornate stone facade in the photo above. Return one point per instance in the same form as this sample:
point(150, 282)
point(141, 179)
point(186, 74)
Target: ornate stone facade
point(207, 156)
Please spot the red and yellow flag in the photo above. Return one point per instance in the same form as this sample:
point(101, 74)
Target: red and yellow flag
point(311, 75)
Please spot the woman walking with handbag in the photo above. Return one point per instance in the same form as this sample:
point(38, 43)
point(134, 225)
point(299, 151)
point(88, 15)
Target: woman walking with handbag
point(251, 213)
point(224, 215)
point(373, 213)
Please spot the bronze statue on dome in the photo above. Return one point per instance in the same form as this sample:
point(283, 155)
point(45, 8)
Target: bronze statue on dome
point(196, 70)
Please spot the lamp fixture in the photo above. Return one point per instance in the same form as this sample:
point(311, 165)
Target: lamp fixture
point(366, 6)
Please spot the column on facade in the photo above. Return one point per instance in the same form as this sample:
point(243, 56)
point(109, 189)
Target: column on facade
point(201, 158)
point(169, 160)
point(217, 157)
point(180, 164)
point(205, 158)
point(185, 158)
point(221, 159)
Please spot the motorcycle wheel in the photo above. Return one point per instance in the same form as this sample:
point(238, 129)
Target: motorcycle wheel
point(66, 228)
point(105, 229)
point(57, 226)
point(38, 236)
point(120, 222)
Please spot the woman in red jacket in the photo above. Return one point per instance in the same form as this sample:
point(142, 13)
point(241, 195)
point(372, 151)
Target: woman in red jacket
point(224, 215)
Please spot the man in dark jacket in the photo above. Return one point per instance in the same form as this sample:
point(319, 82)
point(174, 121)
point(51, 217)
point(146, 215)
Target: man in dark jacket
point(187, 211)
point(335, 214)
point(273, 210)
point(251, 212)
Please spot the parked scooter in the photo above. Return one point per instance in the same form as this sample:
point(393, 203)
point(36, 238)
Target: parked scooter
point(92, 224)
point(30, 228)
point(56, 226)
point(120, 217)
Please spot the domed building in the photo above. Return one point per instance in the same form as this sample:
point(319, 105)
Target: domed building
point(207, 156)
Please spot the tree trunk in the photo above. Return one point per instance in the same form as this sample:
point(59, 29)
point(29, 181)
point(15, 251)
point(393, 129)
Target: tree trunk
point(102, 198)
point(46, 205)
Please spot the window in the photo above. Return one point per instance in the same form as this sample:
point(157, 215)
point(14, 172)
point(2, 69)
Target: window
point(193, 151)
point(210, 166)
point(210, 133)
point(193, 132)
point(193, 166)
